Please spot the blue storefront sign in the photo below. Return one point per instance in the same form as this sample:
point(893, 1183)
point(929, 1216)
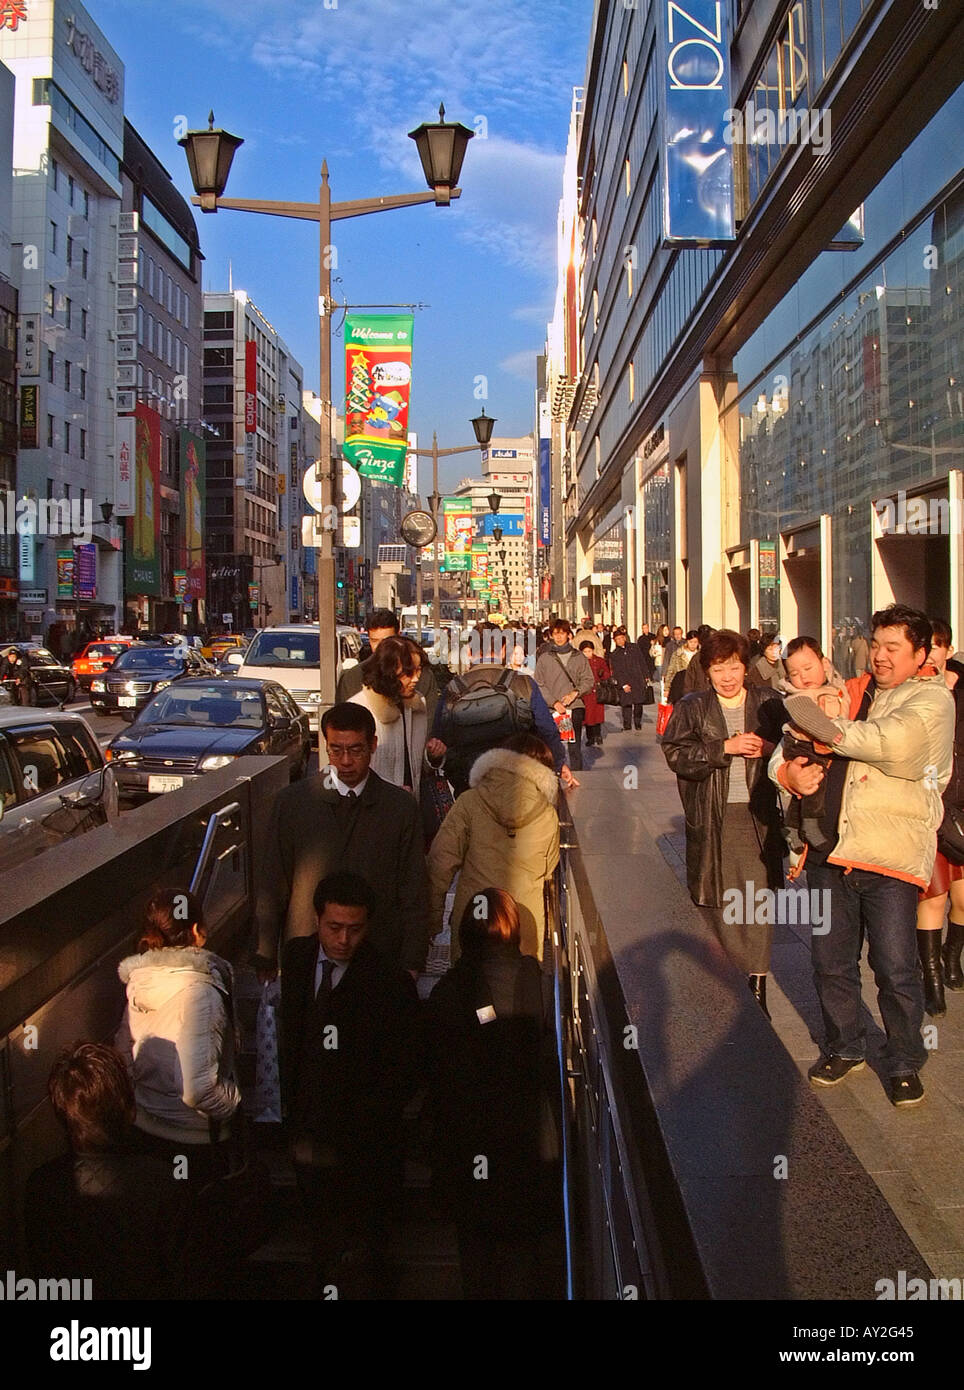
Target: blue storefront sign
point(294, 592)
point(85, 571)
point(512, 524)
point(697, 159)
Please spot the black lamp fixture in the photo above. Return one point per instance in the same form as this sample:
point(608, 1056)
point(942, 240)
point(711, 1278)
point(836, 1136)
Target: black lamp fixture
point(441, 148)
point(209, 156)
point(497, 534)
point(482, 425)
point(434, 500)
point(107, 511)
point(502, 555)
point(495, 501)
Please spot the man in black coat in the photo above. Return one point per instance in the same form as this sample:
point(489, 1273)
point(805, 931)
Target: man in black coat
point(629, 672)
point(345, 818)
point(349, 1053)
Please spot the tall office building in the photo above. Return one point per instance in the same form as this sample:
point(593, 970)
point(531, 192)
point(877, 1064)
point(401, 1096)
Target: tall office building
point(9, 550)
point(507, 473)
point(756, 349)
point(68, 147)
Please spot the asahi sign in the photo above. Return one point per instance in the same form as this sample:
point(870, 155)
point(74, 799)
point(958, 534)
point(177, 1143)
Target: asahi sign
point(697, 159)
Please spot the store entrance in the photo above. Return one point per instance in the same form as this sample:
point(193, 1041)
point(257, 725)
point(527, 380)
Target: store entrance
point(914, 570)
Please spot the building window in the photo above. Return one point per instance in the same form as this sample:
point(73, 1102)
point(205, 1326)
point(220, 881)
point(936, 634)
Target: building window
point(632, 383)
point(70, 189)
point(629, 179)
point(50, 366)
point(83, 384)
point(187, 314)
point(68, 312)
point(54, 173)
point(84, 262)
point(595, 310)
point(70, 250)
point(66, 436)
point(66, 375)
point(53, 238)
point(50, 300)
point(625, 77)
point(86, 203)
point(140, 324)
point(83, 323)
point(629, 278)
point(50, 434)
point(83, 444)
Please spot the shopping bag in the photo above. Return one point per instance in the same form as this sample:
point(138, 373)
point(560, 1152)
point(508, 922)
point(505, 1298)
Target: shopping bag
point(663, 713)
point(435, 801)
point(267, 1087)
point(565, 726)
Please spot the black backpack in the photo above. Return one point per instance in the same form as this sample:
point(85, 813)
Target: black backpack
point(481, 716)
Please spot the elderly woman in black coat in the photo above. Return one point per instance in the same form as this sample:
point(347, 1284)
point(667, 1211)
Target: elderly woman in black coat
point(630, 673)
point(718, 742)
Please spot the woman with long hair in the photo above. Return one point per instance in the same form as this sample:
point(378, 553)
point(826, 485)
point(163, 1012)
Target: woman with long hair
point(177, 1034)
point(401, 724)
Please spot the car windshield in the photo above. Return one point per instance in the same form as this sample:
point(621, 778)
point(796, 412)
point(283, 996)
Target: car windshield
point(287, 649)
point(38, 657)
point(152, 660)
point(212, 707)
point(106, 648)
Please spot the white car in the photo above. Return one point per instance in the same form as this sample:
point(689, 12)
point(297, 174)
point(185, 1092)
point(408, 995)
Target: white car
point(290, 656)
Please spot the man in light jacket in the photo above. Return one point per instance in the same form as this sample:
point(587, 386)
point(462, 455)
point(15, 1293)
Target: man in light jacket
point(564, 676)
point(900, 761)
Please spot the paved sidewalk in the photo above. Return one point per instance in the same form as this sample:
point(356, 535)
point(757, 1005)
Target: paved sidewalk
point(912, 1155)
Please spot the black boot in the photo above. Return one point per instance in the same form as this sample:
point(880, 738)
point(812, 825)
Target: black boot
point(758, 988)
point(951, 955)
point(929, 950)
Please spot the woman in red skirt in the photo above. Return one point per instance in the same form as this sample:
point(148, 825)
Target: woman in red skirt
point(595, 712)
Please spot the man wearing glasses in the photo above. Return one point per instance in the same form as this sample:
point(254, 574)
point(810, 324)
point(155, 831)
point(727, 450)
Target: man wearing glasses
point(347, 818)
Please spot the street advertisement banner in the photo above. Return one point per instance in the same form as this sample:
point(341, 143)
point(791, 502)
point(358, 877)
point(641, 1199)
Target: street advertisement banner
point(768, 564)
point(378, 380)
point(693, 52)
point(65, 574)
point(180, 587)
point(85, 572)
point(193, 451)
point(545, 494)
point(457, 533)
point(28, 417)
point(512, 524)
point(250, 414)
point(144, 527)
point(124, 442)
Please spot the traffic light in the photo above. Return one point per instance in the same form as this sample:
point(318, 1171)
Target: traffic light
point(340, 583)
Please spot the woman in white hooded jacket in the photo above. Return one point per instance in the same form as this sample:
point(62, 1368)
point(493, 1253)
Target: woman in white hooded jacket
point(177, 1034)
point(401, 722)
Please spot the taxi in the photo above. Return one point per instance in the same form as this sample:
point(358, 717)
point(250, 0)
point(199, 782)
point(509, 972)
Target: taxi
point(96, 658)
point(216, 647)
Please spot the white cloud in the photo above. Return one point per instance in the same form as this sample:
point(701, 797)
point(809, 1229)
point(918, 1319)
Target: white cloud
point(521, 365)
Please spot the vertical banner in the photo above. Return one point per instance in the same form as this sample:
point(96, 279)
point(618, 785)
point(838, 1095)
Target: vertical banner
point(768, 564)
point(124, 442)
point(85, 572)
point(193, 451)
point(28, 417)
point(250, 415)
point(378, 380)
point(457, 532)
point(144, 527)
point(65, 574)
point(697, 153)
point(545, 475)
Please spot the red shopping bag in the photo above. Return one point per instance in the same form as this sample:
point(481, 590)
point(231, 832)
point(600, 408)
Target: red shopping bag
point(565, 726)
point(663, 713)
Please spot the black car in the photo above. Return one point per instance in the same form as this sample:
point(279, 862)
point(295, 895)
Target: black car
point(196, 726)
point(139, 673)
point(33, 676)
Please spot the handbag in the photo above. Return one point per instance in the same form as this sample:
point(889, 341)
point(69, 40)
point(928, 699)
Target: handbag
point(435, 800)
point(607, 690)
point(267, 1087)
point(950, 836)
point(663, 713)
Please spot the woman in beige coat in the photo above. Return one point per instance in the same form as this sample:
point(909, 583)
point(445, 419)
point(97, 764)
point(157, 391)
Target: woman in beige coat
point(401, 724)
point(501, 833)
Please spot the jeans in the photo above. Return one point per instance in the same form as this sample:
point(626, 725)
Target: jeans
point(632, 714)
point(885, 911)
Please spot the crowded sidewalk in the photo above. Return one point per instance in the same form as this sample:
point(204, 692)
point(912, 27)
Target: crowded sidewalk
point(626, 810)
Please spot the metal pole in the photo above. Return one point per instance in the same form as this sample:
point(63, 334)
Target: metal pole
point(418, 595)
point(436, 610)
point(326, 553)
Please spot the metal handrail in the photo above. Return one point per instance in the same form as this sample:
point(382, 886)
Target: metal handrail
point(221, 815)
point(557, 894)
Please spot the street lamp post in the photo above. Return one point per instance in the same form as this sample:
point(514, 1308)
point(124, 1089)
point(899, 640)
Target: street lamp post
point(441, 147)
point(482, 426)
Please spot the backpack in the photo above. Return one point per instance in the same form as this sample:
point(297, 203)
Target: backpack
point(483, 715)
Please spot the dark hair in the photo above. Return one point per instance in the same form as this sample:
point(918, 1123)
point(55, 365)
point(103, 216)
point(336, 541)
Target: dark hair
point(584, 645)
point(704, 630)
point(620, 632)
point(349, 718)
point(169, 919)
point(532, 746)
point(394, 657)
point(346, 889)
point(490, 915)
point(942, 633)
point(92, 1096)
point(560, 625)
point(691, 634)
point(917, 626)
point(752, 635)
point(381, 617)
point(797, 644)
point(721, 645)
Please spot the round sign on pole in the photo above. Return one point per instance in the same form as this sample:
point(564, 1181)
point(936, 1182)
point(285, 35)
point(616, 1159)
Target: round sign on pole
point(350, 487)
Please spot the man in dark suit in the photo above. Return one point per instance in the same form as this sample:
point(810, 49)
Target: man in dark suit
point(382, 623)
point(345, 818)
point(348, 1064)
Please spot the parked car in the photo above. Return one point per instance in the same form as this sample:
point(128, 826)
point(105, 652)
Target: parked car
point(289, 655)
point(139, 673)
point(216, 647)
point(54, 782)
point(196, 726)
point(96, 657)
point(35, 675)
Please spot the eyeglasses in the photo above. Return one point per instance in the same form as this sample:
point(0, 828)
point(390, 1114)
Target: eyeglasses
point(354, 751)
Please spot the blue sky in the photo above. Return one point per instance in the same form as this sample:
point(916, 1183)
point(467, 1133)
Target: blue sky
point(345, 80)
